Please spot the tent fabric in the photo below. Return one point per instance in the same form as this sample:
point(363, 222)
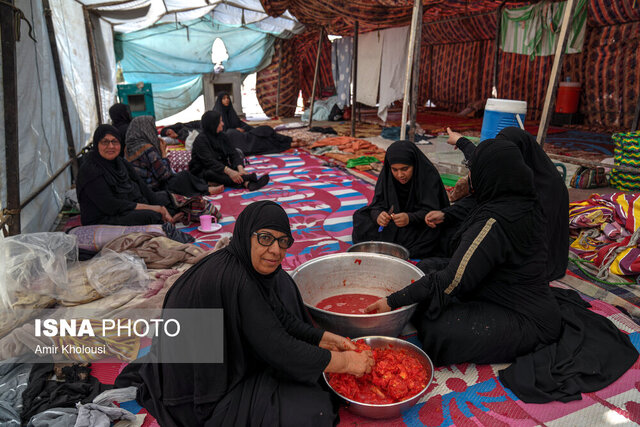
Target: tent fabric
point(533, 30)
point(307, 48)
point(612, 12)
point(469, 29)
point(267, 81)
point(41, 134)
point(176, 73)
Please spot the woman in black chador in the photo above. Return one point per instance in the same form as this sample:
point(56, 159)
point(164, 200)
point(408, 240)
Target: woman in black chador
point(215, 160)
point(492, 302)
point(273, 357)
point(251, 140)
point(412, 186)
point(111, 192)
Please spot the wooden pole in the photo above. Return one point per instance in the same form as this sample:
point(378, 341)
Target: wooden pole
point(94, 61)
point(415, 80)
point(550, 98)
point(407, 78)
point(354, 79)
point(496, 58)
point(71, 149)
point(11, 116)
point(315, 76)
point(279, 77)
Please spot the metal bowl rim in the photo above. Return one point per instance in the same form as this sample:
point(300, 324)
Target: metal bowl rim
point(359, 254)
point(387, 405)
point(379, 242)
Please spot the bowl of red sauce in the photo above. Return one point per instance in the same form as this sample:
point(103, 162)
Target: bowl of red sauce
point(399, 379)
point(337, 288)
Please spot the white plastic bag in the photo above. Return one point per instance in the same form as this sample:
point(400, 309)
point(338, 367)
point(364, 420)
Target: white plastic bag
point(110, 272)
point(36, 263)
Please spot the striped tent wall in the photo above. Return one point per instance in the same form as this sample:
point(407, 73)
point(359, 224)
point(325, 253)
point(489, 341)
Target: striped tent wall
point(267, 81)
point(306, 51)
point(611, 12)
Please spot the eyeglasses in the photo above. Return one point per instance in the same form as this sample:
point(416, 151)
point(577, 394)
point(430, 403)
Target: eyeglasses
point(267, 239)
point(107, 142)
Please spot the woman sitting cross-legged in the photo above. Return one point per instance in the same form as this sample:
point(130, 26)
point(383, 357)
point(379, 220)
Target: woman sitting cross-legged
point(411, 185)
point(147, 153)
point(273, 359)
point(110, 190)
point(214, 160)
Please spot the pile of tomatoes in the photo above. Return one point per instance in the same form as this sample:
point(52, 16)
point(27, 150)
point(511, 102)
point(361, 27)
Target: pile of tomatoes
point(396, 376)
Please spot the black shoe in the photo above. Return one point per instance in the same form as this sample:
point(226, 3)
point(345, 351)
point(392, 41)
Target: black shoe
point(250, 177)
point(174, 234)
point(253, 186)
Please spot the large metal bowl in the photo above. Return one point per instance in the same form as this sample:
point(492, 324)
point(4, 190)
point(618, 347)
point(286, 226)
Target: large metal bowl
point(359, 273)
point(384, 248)
point(391, 410)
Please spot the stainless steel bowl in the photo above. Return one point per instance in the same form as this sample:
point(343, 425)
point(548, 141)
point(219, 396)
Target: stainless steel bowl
point(360, 273)
point(384, 248)
point(390, 410)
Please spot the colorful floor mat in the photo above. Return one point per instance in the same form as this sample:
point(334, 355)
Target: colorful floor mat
point(586, 145)
point(320, 202)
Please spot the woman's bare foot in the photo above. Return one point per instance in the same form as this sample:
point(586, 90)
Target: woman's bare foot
point(177, 217)
point(216, 189)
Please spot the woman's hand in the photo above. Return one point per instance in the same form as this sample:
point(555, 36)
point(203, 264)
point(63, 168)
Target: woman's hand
point(380, 306)
point(241, 170)
point(163, 147)
point(383, 219)
point(453, 137)
point(434, 218)
point(400, 219)
point(166, 216)
point(234, 175)
point(335, 342)
point(358, 364)
point(240, 130)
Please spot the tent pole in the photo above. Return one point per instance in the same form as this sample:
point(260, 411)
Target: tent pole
point(94, 61)
point(315, 77)
point(407, 77)
point(71, 149)
point(10, 91)
point(279, 77)
point(494, 88)
point(354, 79)
point(415, 80)
point(554, 77)
point(636, 116)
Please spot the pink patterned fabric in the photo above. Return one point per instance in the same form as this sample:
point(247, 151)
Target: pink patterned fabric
point(179, 160)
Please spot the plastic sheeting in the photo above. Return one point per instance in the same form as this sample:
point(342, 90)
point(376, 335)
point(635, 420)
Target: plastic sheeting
point(176, 72)
point(41, 133)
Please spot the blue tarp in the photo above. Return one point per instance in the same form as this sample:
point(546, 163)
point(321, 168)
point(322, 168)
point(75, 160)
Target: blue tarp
point(173, 57)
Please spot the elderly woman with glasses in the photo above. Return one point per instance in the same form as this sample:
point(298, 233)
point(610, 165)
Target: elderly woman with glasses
point(111, 192)
point(273, 357)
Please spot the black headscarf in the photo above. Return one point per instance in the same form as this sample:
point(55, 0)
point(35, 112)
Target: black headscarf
point(121, 117)
point(503, 187)
point(210, 121)
point(552, 194)
point(258, 215)
point(229, 115)
point(115, 172)
point(423, 191)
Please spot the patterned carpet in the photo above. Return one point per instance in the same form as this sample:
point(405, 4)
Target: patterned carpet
point(320, 202)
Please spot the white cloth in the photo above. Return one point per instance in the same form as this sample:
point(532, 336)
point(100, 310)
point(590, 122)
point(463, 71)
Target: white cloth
point(369, 61)
point(393, 68)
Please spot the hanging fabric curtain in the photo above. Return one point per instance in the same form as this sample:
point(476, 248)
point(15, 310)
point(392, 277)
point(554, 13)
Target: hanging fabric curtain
point(341, 63)
point(534, 30)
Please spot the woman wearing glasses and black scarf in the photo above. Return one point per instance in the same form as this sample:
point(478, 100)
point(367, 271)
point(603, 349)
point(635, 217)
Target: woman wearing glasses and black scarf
point(273, 357)
point(111, 192)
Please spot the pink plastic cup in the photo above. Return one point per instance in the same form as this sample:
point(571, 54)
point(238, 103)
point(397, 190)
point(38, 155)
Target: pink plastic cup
point(205, 222)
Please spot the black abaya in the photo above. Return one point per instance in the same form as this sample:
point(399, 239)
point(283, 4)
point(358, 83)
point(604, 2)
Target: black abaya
point(109, 190)
point(550, 189)
point(252, 140)
point(120, 118)
point(490, 303)
point(272, 362)
point(423, 193)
